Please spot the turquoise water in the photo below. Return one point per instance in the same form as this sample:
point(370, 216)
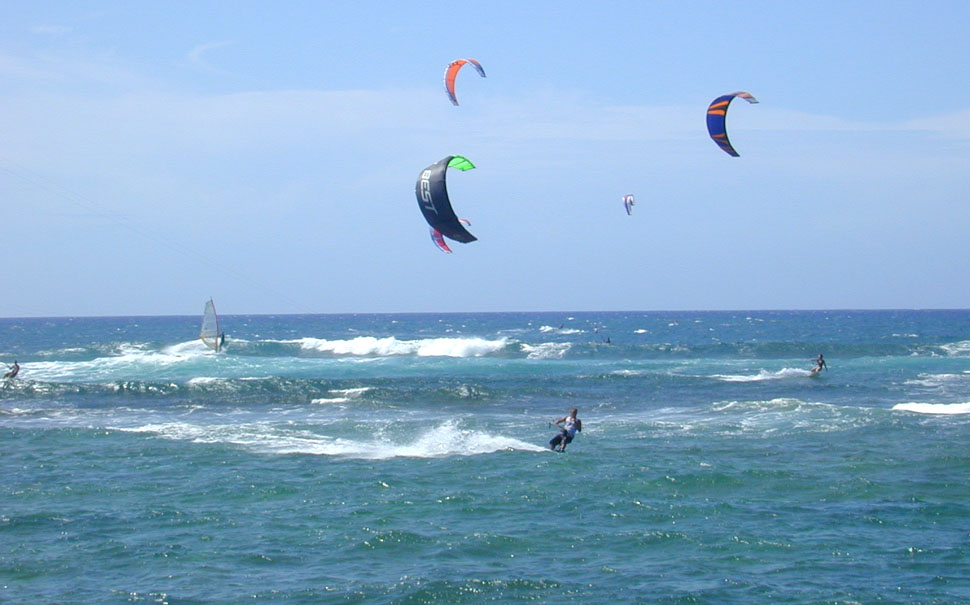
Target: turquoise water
point(402, 458)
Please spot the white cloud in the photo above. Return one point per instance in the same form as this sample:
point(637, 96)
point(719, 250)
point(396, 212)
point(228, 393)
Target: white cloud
point(17, 67)
point(195, 56)
point(50, 30)
point(955, 124)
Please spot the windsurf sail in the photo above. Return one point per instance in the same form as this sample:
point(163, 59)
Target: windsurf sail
point(432, 193)
point(211, 333)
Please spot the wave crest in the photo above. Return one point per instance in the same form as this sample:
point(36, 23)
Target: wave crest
point(957, 349)
point(370, 346)
point(764, 375)
point(546, 350)
point(934, 408)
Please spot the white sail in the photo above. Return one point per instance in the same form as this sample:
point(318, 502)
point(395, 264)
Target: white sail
point(211, 333)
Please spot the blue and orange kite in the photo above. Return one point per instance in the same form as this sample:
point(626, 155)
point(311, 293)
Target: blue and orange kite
point(717, 116)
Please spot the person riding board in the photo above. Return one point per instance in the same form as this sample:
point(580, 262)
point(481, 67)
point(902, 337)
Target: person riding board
point(820, 364)
point(570, 425)
point(14, 370)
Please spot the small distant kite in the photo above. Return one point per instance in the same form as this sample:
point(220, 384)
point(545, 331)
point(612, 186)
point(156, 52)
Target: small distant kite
point(451, 72)
point(432, 193)
point(717, 116)
point(439, 240)
point(628, 203)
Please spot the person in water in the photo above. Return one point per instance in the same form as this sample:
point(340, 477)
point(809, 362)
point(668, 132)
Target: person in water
point(820, 364)
point(14, 370)
point(570, 425)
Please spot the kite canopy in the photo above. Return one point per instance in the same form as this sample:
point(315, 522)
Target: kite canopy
point(439, 240)
point(432, 193)
point(717, 116)
point(628, 203)
point(451, 72)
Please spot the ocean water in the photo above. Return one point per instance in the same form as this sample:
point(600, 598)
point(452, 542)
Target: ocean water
point(403, 459)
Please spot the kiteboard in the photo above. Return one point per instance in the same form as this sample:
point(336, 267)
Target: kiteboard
point(814, 372)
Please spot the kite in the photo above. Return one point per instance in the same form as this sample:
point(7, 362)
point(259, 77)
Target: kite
point(628, 203)
point(717, 116)
point(432, 193)
point(439, 240)
point(451, 72)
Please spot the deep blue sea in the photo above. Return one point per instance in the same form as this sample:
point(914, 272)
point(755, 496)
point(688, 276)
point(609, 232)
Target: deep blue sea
point(403, 459)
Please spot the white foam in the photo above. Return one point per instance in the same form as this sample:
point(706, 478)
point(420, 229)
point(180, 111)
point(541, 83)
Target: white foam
point(353, 392)
point(65, 351)
point(326, 400)
point(764, 375)
point(786, 414)
point(546, 350)
point(449, 440)
point(960, 348)
point(934, 408)
point(778, 404)
point(446, 439)
point(548, 329)
point(130, 359)
point(938, 380)
point(390, 346)
point(188, 348)
point(341, 395)
point(628, 372)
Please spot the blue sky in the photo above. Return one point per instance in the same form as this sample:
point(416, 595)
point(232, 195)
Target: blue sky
point(155, 154)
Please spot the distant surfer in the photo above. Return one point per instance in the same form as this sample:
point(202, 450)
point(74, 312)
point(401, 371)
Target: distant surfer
point(222, 341)
point(819, 364)
point(14, 370)
point(570, 425)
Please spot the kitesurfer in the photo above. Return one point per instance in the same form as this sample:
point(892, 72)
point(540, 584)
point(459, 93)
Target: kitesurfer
point(820, 364)
point(570, 424)
point(14, 370)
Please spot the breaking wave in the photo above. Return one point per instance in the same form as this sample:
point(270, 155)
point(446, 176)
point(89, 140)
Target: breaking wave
point(934, 408)
point(370, 346)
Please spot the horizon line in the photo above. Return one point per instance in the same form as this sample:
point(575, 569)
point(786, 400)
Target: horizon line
point(545, 312)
